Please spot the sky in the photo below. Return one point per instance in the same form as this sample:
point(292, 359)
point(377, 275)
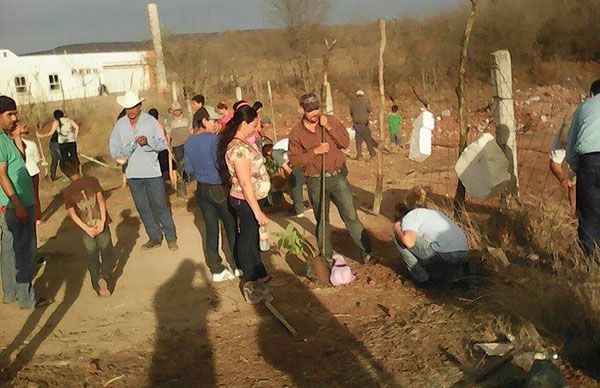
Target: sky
point(34, 25)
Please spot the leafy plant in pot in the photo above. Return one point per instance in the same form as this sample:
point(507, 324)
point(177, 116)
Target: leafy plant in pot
point(290, 241)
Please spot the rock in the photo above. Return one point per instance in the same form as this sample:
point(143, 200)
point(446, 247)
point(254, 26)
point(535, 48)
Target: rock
point(544, 118)
point(446, 113)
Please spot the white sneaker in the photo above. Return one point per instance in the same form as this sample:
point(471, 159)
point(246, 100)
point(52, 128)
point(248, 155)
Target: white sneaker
point(238, 273)
point(223, 276)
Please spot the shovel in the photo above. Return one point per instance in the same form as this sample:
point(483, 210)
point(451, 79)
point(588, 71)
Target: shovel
point(320, 265)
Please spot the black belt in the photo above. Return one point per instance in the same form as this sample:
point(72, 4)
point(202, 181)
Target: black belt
point(208, 184)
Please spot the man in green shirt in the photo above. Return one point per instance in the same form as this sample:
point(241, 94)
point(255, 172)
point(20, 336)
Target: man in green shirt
point(394, 123)
point(17, 218)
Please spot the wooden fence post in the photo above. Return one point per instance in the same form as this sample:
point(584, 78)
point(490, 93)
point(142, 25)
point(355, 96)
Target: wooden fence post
point(378, 198)
point(272, 111)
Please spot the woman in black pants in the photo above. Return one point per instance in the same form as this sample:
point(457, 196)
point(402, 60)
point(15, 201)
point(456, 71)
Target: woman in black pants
point(63, 136)
point(241, 165)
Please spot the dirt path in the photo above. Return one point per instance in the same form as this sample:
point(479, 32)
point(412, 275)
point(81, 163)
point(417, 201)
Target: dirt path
point(168, 325)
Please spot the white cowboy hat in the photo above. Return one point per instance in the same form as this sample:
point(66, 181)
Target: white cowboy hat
point(360, 93)
point(129, 99)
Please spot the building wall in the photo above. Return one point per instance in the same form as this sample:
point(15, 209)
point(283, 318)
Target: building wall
point(79, 75)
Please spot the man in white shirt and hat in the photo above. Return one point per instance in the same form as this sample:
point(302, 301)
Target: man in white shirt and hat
point(136, 141)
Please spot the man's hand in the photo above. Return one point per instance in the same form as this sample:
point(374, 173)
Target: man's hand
point(99, 228)
point(21, 213)
point(142, 140)
point(567, 183)
point(324, 121)
point(322, 149)
point(91, 231)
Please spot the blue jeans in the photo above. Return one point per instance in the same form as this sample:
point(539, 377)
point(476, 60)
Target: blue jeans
point(338, 190)
point(151, 203)
point(212, 200)
point(442, 267)
point(17, 255)
point(588, 201)
point(296, 180)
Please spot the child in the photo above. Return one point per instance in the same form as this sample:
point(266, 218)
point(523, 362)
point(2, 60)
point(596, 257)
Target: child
point(85, 203)
point(394, 122)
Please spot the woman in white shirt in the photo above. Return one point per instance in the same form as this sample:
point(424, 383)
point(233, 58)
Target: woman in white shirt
point(67, 136)
point(31, 153)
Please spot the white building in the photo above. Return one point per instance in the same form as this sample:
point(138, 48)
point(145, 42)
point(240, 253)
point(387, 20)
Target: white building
point(42, 78)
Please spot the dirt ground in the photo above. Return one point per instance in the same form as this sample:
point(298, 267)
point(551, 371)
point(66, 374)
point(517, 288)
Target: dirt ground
point(167, 324)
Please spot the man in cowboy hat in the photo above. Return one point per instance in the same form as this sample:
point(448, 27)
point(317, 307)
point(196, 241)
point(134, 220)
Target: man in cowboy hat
point(178, 131)
point(136, 140)
point(360, 110)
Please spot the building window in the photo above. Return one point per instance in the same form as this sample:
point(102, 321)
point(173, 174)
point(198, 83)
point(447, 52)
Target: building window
point(20, 84)
point(88, 71)
point(54, 82)
point(96, 71)
point(74, 72)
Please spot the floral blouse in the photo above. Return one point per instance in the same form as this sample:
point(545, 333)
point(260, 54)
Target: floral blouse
point(258, 173)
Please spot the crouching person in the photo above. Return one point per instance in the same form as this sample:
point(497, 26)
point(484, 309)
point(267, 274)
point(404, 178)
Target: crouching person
point(86, 205)
point(433, 247)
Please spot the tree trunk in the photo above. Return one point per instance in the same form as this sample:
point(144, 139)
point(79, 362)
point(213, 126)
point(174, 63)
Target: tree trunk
point(161, 72)
point(379, 183)
point(459, 197)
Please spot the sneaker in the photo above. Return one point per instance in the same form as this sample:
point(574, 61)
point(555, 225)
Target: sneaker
point(238, 273)
point(172, 245)
point(151, 244)
point(223, 276)
point(103, 291)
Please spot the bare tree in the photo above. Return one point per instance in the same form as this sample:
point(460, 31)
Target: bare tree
point(302, 19)
point(459, 197)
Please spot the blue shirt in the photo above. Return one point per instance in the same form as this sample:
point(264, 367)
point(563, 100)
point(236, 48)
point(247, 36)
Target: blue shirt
point(200, 158)
point(142, 161)
point(584, 137)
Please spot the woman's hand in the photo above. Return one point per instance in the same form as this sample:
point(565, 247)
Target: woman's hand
point(262, 218)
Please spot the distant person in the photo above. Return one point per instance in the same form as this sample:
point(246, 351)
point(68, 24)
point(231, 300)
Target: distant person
point(394, 123)
point(30, 151)
point(241, 166)
point(433, 247)
point(123, 166)
point(558, 154)
point(136, 140)
point(583, 156)
point(305, 151)
point(178, 131)
point(360, 110)
point(17, 217)
point(278, 154)
point(54, 149)
point(86, 205)
point(201, 162)
point(68, 131)
point(197, 102)
point(225, 112)
point(163, 156)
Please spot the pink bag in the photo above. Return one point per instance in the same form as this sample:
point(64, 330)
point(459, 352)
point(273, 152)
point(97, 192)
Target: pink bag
point(341, 273)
